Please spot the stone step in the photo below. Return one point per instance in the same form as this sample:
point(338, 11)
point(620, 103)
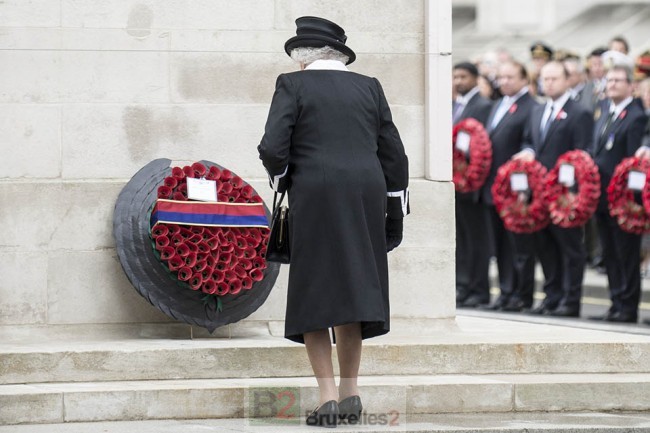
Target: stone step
point(510, 422)
point(385, 397)
point(471, 345)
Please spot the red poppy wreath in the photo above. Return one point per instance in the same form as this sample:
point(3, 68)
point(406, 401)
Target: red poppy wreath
point(567, 208)
point(470, 174)
point(221, 248)
point(521, 215)
point(630, 216)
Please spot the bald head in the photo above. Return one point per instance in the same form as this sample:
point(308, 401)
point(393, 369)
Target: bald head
point(555, 79)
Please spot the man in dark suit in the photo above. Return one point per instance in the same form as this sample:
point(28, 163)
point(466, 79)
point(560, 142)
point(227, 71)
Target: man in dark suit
point(506, 126)
point(555, 128)
point(617, 135)
point(472, 286)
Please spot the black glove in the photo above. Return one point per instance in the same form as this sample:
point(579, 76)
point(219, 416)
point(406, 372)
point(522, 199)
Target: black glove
point(394, 229)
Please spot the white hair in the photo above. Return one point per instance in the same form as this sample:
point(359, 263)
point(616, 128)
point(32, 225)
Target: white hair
point(308, 55)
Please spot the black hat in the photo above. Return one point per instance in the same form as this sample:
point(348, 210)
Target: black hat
point(317, 32)
point(539, 50)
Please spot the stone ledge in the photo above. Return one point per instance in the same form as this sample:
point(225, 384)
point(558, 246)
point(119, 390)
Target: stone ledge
point(405, 395)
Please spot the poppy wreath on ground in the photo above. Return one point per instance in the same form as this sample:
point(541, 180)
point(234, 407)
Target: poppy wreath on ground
point(148, 251)
point(521, 216)
point(630, 216)
point(470, 174)
point(566, 208)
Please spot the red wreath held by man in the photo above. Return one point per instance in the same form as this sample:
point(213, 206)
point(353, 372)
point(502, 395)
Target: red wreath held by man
point(630, 216)
point(521, 212)
point(567, 208)
point(470, 174)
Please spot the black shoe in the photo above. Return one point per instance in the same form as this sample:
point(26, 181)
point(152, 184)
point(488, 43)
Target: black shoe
point(474, 301)
point(350, 410)
point(623, 318)
point(326, 415)
point(565, 311)
point(541, 309)
point(496, 305)
point(646, 322)
point(515, 305)
point(603, 317)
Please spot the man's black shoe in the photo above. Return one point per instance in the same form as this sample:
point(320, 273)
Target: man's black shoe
point(474, 301)
point(565, 311)
point(515, 305)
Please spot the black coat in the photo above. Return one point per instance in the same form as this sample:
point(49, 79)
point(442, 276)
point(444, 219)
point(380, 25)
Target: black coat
point(627, 132)
point(506, 138)
point(574, 131)
point(332, 133)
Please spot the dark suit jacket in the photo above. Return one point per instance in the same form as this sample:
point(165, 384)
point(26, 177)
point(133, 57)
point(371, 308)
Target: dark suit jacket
point(574, 131)
point(506, 138)
point(477, 108)
point(627, 133)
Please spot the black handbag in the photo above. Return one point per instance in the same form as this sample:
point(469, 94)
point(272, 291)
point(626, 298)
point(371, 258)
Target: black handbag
point(277, 249)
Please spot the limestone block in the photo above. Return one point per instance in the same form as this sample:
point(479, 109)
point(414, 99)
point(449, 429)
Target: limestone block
point(30, 13)
point(438, 158)
point(584, 392)
point(137, 15)
point(165, 403)
point(83, 39)
point(54, 215)
point(27, 404)
point(268, 41)
point(226, 78)
point(33, 133)
point(401, 75)
point(91, 287)
point(389, 17)
point(115, 141)
point(438, 19)
point(23, 288)
point(460, 394)
point(409, 120)
point(83, 76)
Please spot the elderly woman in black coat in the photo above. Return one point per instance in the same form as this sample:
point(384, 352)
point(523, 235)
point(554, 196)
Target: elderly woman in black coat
point(330, 142)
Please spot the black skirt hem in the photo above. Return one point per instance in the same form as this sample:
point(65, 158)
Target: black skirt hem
point(368, 330)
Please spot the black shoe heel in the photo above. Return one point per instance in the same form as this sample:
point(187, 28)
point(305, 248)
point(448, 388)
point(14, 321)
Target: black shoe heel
point(326, 415)
point(350, 410)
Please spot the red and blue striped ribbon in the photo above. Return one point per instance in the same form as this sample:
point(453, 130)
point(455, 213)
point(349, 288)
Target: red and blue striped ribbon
point(219, 214)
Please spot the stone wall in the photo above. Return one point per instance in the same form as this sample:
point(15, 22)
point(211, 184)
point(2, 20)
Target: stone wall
point(90, 91)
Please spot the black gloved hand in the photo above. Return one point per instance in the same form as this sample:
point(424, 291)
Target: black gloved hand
point(394, 229)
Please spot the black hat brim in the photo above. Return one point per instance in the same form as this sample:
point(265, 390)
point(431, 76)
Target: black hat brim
point(318, 41)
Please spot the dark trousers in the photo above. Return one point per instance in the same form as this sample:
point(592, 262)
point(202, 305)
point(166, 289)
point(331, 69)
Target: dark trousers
point(524, 263)
point(472, 249)
point(504, 250)
point(622, 258)
point(562, 255)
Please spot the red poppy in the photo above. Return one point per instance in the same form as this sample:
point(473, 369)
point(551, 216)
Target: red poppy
point(512, 109)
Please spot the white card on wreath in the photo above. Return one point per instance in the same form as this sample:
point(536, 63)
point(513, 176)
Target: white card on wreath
point(201, 189)
point(519, 182)
point(567, 175)
point(462, 141)
point(636, 180)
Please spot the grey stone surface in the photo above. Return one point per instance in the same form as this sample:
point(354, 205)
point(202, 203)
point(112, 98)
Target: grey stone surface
point(579, 422)
point(29, 131)
point(23, 287)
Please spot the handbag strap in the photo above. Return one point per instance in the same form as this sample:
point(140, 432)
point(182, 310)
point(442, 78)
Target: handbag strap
point(275, 198)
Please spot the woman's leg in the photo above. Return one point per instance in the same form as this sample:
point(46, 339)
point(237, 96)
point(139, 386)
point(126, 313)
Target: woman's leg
point(348, 348)
point(319, 350)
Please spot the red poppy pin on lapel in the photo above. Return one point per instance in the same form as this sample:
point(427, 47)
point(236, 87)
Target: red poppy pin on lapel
point(512, 109)
point(561, 115)
point(622, 115)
